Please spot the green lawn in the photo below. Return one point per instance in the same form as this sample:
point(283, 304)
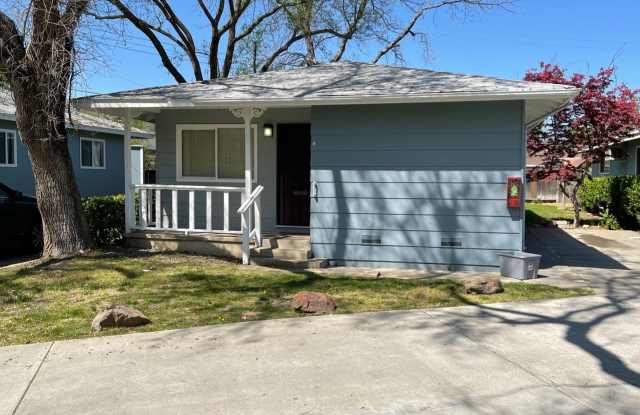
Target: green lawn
point(541, 214)
point(58, 301)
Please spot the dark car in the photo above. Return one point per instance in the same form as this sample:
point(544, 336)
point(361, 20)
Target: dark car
point(20, 224)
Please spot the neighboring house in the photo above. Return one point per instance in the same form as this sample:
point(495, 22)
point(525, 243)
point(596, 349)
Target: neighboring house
point(623, 159)
point(95, 144)
point(381, 165)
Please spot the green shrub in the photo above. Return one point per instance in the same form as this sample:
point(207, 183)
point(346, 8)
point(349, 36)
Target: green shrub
point(617, 198)
point(105, 217)
point(632, 199)
point(595, 194)
point(621, 187)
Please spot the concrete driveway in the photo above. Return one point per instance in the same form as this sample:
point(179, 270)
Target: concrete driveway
point(571, 356)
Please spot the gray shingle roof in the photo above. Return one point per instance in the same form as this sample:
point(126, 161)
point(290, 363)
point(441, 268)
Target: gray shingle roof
point(81, 119)
point(334, 81)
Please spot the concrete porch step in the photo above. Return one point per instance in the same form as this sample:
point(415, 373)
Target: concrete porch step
point(312, 263)
point(281, 253)
point(287, 242)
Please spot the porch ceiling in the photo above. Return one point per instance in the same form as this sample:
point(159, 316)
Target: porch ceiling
point(344, 83)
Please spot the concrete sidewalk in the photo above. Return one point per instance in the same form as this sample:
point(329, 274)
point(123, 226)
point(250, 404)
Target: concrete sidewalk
point(570, 356)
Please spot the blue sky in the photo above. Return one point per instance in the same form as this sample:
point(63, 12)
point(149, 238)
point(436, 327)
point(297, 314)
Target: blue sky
point(579, 35)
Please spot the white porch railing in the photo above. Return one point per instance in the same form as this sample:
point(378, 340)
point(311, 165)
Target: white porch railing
point(155, 215)
point(244, 210)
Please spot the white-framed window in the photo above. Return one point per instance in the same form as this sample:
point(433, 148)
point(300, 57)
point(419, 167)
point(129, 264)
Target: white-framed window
point(213, 152)
point(8, 148)
point(93, 153)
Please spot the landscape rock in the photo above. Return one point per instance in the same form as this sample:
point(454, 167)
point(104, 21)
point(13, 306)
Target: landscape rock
point(119, 316)
point(250, 315)
point(313, 302)
point(483, 285)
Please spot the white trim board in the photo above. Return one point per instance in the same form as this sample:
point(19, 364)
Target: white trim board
point(181, 178)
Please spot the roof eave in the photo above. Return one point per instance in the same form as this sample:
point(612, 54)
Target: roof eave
point(129, 102)
point(85, 127)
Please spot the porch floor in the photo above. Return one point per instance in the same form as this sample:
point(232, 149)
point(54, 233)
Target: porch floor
point(288, 251)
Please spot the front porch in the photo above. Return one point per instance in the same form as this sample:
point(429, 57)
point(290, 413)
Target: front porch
point(215, 197)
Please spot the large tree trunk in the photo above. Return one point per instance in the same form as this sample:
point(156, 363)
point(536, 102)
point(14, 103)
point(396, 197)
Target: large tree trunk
point(64, 228)
point(575, 203)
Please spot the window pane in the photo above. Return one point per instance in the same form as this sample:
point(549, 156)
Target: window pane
point(85, 149)
point(3, 149)
point(98, 153)
point(198, 153)
point(231, 153)
point(11, 143)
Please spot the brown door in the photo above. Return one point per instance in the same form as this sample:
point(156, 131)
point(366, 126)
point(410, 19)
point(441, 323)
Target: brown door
point(294, 162)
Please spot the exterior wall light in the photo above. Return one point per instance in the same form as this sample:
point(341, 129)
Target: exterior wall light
point(268, 130)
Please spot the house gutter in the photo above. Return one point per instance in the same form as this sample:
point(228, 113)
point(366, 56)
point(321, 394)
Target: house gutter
point(146, 103)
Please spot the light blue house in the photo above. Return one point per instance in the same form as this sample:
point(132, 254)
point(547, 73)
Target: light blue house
point(375, 165)
point(95, 143)
point(623, 159)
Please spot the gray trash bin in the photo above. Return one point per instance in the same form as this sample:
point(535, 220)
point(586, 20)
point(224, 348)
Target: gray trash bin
point(520, 265)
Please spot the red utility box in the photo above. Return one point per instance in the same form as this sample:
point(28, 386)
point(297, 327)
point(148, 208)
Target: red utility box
point(514, 192)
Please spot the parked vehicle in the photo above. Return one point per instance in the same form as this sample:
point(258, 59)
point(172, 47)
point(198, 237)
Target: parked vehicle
point(20, 223)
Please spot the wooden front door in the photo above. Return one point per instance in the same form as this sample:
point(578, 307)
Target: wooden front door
point(294, 163)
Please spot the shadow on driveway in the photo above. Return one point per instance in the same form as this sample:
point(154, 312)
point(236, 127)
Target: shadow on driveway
point(559, 248)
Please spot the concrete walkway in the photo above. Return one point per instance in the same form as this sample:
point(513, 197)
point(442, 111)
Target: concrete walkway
point(572, 356)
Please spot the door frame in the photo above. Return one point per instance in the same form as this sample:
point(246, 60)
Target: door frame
point(288, 228)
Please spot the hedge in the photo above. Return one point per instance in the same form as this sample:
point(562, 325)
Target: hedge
point(618, 196)
point(105, 218)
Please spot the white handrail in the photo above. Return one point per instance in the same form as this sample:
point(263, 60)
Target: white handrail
point(189, 187)
point(252, 198)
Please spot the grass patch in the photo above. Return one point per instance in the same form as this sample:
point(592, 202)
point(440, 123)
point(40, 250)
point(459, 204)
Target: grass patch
point(59, 301)
point(542, 214)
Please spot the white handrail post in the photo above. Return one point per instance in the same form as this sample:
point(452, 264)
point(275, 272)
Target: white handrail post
point(247, 114)
point(158, 209)
point(208, 213)
point(192, 210)
point(246, 248)
point(174, 209)
point(257, 207)
point(128, 199)
point(226, 212)
point(143, 208)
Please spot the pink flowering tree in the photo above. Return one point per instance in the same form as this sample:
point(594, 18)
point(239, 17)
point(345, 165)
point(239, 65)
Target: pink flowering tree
point(569, 141)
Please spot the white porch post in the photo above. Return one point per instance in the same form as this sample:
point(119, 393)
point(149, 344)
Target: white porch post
point(128, 191)
point(247, 114)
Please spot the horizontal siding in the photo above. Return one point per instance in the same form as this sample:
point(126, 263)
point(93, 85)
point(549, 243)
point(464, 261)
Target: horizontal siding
point(447, 190)
point(406, 175)
point(442, 223)
point(415, 175)
point(417, 206)
point(424, 239)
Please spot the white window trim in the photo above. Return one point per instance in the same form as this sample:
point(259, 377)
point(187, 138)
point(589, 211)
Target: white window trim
point(104, 153)
point(15, 148)
point(181, 178)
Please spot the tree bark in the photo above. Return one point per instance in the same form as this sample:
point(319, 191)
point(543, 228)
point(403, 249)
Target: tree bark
point(64, 228)
point(575, 202)
point(39, 76)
